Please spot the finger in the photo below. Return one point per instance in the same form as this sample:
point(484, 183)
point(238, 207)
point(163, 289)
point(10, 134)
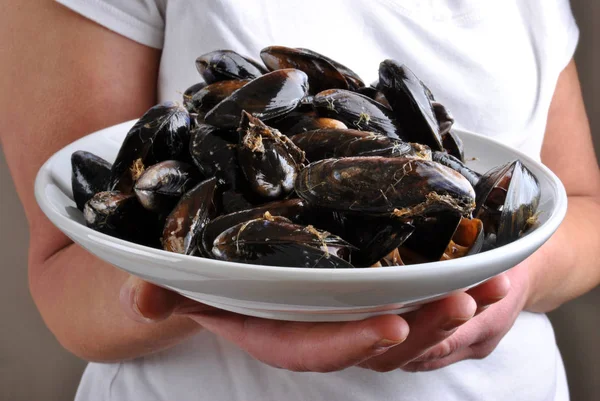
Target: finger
point(300, 346)
point(145, 302)
point(490, 292)
point(431, 325)
point(427, 366)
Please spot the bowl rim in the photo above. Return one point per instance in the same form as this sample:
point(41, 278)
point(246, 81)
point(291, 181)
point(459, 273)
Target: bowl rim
point(199, 265)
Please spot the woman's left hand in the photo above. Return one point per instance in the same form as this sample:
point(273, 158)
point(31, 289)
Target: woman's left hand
point(475, 339)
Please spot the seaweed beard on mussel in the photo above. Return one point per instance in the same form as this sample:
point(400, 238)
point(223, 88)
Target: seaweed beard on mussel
point(270, 161)
point(161, 134)
point(275, 241)
point(389, 186)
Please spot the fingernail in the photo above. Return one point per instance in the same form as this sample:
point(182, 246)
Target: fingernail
point(129, 298)
point(386, 344)
point(454, 323)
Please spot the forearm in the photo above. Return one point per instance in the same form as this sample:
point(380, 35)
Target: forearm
point(568, 265)
point(78, 297)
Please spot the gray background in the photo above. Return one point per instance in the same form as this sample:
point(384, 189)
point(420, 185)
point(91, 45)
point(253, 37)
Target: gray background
point(34, 367)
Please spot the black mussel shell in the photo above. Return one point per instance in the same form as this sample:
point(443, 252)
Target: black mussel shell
point(269, 160)
point(186, 222)
point(292, 209)
point(375, 94)
point(321, 73)
point(377, 185)
point(353, 80)
point(443, 117)
point(190, 92)
point(121, 215)
point(222, 65)
point(457, 165)
point(335, 143)
point(508, 197)
point(161, 186)
point(274, 241)
point(207, 98)
point(214, 151)
point(411, 104)
point(267, 97)
point(430, 238)
point(454, 145)
point(90, 175)
point(357, 112)
point(296, 123)
point(161, 134)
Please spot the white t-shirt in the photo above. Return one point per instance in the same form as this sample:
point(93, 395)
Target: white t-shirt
point(494, 64)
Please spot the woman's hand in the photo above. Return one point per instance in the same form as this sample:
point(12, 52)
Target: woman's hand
point(380, 343)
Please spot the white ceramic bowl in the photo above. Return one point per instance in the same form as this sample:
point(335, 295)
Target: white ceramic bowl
point(296, 293)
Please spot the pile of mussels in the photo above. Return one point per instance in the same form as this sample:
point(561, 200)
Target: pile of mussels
point(300, 164)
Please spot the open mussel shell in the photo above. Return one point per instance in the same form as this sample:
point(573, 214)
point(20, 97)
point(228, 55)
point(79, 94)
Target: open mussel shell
point(161, 186)
point(213, 151)
point(457, 165)
point(269, 160)
point(121, 216)
point(379, 185)
point(292, 209)
point(321, 73)
point(189, 94)
point(275, 241)
point(357, 112)
point(436, 237)
point(352, 78)
point(375, 94)
point(267, 97)
point(188, 219)
point(222, 65)
point(161, 134)
point(468, 239)
point(443, 117)
point(208, 97)
point(335, 143)
point(410, 103)
point(90, 175)
point(508, 197)
point(454, 145)
point(391, 259)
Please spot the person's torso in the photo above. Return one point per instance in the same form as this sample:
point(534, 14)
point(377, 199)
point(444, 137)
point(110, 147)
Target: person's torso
point(479, 59)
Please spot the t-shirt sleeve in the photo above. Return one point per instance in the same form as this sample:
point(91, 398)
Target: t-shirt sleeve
point(561, 30)
point(140, 20)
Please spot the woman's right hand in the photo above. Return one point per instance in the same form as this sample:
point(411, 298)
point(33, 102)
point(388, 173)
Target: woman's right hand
point(320, 347)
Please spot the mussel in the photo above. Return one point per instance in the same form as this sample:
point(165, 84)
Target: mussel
point(334, 143)
point(411, 105)
point(321, 73)
point(394, 186)
point(186, 222)
point(222, 65)
point(357, 112)
point(457, 165)
point(267, 97)
point(508, 197)
point(190, 92)
point(292, 209)
point(296, 123)
point(121, 216)
point(161, 186)
point(275, 241)
point(90, 175)
point(208, 97)
point(352, 78)
point(270, 161)
point(214, 151)
point(161, 134)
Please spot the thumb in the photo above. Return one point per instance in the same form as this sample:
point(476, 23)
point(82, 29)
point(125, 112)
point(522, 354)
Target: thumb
point(147, 303)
